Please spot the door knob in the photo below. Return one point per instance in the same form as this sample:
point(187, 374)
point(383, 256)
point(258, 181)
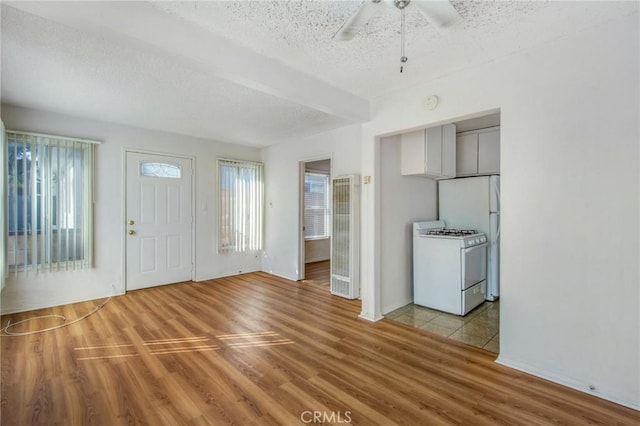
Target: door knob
point(131, 222)
point(131, 232)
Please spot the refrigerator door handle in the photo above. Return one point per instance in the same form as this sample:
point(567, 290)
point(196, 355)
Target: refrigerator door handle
point(496, 237)
point(496, 190)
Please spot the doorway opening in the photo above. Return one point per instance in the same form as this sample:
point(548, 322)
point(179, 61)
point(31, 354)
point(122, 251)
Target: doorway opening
point(469, 201)
point(315, 222)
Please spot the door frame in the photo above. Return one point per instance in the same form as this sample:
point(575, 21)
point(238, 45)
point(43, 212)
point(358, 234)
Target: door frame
point(123, 218)
point(301, 241)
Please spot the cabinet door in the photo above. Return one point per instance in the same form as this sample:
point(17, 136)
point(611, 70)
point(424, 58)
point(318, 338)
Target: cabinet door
point(467, 154)
point(412, 153)
point(489, 152)
point(434, 151)
point(449, 151)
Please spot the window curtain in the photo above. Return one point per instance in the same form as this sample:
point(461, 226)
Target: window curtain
point(241, 192)
point(49, 193)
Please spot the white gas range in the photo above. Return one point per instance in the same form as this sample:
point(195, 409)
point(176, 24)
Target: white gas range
point(449, 267)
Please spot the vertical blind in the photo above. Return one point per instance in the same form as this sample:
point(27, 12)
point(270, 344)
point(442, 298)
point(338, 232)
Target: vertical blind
point(241, 187)
point(49, 202)
point(316, 205)
point(3, 192)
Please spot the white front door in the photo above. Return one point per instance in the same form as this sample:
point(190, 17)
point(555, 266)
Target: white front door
point(159, 220)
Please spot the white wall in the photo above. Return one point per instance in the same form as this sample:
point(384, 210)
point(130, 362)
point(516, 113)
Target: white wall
point(282, 176)
point(317, 250)
point(405, 199)
point(106, 278)
point(570, 293)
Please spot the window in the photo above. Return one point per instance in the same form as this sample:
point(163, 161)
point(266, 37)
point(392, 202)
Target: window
point(316, 205)
point(49, 202)
point(162, 170)
point(241, 206)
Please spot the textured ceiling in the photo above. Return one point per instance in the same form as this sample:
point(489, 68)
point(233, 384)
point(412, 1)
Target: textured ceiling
point(249, 72)
point(299, 33)
point(53, 67)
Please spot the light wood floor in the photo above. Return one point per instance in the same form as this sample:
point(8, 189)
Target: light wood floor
point(257, 349)
point(318, 273)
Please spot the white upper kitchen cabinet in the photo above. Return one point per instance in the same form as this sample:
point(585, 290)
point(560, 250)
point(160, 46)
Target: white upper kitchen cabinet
point(467, 154)
point(478, 152)
point(429, 152)
point(489, 152)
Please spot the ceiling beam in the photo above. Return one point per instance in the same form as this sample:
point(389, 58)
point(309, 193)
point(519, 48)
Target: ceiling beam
point(220, 57)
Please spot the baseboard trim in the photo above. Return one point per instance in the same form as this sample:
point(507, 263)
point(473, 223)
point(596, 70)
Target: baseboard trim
point(316, 259)
point(226, 274)
point(54, 304)
point(281, 275)
point(564, 381)
point(395, 306)
point(373, 318)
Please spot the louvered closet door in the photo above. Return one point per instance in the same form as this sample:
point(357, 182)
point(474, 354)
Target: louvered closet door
point(159, 220)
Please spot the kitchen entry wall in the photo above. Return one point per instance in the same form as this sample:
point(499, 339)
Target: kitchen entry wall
point(570, 168)
point(406, 199)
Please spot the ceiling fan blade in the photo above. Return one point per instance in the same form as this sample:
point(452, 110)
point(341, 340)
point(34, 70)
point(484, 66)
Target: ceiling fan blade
point(439, 13)
point(367, 10)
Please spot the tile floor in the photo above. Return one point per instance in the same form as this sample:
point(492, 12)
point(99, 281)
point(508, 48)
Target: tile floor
point(479, 327)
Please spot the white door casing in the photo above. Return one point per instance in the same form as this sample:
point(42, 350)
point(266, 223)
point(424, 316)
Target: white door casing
point(159, 220)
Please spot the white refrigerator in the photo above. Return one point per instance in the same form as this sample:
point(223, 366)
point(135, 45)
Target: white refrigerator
point(474, 203)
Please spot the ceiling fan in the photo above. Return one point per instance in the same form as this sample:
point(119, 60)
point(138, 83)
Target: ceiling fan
point(439, 13)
